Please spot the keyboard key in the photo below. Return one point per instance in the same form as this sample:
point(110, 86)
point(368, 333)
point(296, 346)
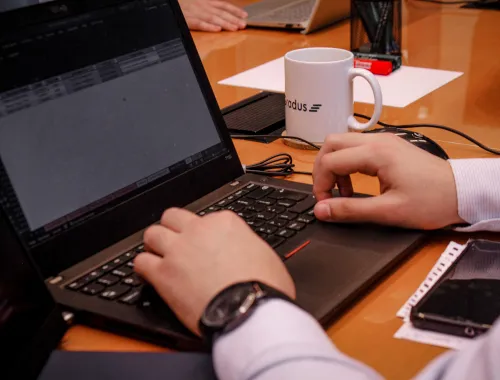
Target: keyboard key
point(251, 186)
point(305, 218)
point(245, 201)
point(256, 222)
point(260, 193)
point(287, 216)
point(274, 241)
point(278, 222)
point(288, 194)
point(115, 292)
point(297, 226)
point(108, 267)
point(236, 207)
point(123, 271)
point(129, 255)
point(132, 297)
point(276, 209)
point(241, 193)
point(108, 280)
point(223, 202)
point(266, 201)
point(130, 264)
point(285, 233)
point(76, 285)
point(286, 203)
point(262, 235)
point(93, 289)
point(246, 214)
point(304, 205)
point(232, 198)
point(256, 207)
point(139, 249)
point(266, 215)
point(132, 280)
point(267, 229)
point(310, 212)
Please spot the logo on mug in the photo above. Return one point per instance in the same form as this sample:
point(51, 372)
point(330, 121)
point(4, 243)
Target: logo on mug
point(297, 106)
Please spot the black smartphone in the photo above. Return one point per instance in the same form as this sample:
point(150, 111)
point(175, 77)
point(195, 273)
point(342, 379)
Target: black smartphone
point(466, 301)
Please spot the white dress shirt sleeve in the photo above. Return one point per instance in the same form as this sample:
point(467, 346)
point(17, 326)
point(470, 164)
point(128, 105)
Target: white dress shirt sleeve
point(478, 191)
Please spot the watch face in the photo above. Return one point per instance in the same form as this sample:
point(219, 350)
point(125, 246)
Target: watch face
point(227, 305)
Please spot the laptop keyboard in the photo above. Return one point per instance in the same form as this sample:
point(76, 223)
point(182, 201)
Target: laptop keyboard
point(275, 214)
point(294, 13)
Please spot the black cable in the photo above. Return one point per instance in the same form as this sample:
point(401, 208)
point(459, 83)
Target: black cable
point(436, 126)
point(279, 165)
point(245, 137)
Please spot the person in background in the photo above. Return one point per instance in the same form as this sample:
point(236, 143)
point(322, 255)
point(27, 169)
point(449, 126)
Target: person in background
point(202, 15)
point(213, 15)
point(191, 259)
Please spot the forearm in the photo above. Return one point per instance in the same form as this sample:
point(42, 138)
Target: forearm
point(280, 341)
point(478, 193)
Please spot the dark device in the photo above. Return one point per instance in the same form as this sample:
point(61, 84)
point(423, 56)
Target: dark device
point(415, 138)
point(466, 301)
point(376, 30)
point(115, 122)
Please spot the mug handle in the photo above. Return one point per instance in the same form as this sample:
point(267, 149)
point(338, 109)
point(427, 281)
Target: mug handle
point(377, 93)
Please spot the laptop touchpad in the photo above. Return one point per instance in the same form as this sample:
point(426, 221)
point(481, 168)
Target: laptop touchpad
point(325, 274)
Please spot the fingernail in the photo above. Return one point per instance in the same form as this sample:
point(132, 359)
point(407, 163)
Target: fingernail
point(323, 211)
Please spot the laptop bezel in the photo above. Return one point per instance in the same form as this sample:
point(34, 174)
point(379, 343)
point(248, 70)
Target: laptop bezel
point(31, 360)
point(136, 213)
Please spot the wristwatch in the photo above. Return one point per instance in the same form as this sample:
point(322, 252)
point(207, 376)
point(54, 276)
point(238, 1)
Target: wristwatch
point(232, 306)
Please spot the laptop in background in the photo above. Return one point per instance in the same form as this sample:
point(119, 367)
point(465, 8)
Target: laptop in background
point(304, 15)
point(115, 122)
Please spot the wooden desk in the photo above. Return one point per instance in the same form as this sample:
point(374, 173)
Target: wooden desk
point(444, 37)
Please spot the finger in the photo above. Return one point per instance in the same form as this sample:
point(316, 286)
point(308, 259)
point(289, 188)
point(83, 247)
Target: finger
point(177, 219)
point(233, 9)
point(148, 266)
point(344, 184)
point(238, 22)
point(380, 209)
point(197, 24)
point(158, 239)
point(341, 163)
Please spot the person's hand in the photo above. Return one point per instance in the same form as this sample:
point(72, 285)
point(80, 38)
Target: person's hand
point(213, 15)
point(417, 189)
point(197, 257)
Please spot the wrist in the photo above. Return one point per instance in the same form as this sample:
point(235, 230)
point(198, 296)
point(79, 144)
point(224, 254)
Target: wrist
point(232, 306)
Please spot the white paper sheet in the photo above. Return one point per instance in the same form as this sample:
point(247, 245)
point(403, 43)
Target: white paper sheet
point(399, 89)
point(408, 332)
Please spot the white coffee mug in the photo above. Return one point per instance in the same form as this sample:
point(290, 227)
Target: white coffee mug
point(319, 93)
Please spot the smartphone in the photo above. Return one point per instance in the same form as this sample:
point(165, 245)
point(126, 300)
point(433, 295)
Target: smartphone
point(466, 301)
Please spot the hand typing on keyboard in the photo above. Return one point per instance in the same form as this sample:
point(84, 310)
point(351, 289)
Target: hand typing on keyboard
point(418, 189)
point(197, 257)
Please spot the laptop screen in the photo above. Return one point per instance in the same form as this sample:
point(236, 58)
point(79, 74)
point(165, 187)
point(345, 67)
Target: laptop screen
point(97, 105)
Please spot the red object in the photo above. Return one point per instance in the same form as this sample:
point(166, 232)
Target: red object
point(376, 66)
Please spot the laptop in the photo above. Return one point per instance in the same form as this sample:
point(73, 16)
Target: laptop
point(107, 118)
point(304, 15)
point(32, 326)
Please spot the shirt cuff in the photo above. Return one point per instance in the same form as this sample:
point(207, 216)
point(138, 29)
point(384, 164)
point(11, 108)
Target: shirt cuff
point(279, 332)
point(478, 182)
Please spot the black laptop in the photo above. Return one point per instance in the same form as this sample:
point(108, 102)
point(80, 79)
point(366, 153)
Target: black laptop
point(31, 327)
point(107, 118)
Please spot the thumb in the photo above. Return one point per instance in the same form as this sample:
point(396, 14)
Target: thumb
point(378, 209)
point(148, 266)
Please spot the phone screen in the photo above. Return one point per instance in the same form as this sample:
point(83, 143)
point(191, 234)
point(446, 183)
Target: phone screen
point(465, 300)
